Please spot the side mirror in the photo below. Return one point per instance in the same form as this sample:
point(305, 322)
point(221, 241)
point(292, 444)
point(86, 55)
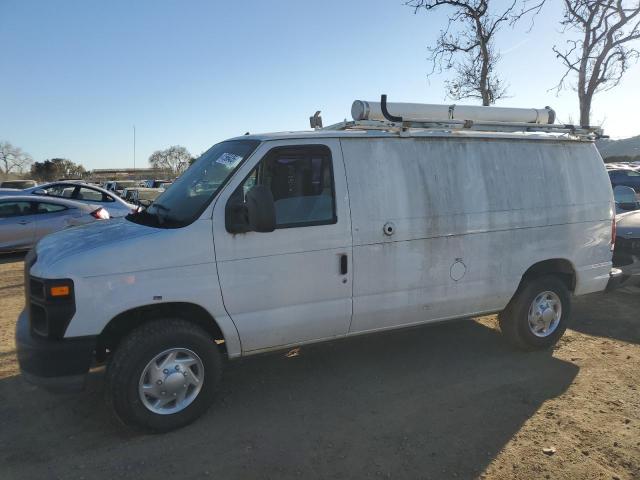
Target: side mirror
point(261, 209)
point(40, 191)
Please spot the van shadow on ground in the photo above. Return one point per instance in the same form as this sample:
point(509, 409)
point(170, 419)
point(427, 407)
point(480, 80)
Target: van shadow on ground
point(614, 315)
point(429, 402)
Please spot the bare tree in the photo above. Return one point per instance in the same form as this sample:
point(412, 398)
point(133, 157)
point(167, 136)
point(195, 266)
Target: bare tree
point(602, 52)
point(174, 159)
point(13, 159)
point(467, 44)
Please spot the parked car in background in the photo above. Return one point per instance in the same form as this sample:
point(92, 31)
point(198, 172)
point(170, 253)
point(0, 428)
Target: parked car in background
point(25, 219)
point(118, 186)
point(626, 199)
point(627, 177)
point(18, 184)
point(84, 193)
point(146, 193)
point(622, 166)
point(626, 255)
point(156, 183)
point(141, 196)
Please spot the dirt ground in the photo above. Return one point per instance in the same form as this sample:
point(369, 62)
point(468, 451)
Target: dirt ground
point(444, 401)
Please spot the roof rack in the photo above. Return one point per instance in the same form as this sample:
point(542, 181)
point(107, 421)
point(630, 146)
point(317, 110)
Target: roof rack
point(407, 127)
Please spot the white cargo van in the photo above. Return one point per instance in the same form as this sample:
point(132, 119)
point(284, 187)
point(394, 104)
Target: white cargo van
point(283, 239)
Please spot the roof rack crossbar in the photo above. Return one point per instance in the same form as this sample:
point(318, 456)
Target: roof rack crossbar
point(408, 126)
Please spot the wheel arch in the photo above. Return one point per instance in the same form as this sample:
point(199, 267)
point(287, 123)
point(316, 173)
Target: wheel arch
point(560, 267)
point(124, 323)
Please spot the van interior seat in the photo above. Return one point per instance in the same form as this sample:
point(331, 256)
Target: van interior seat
point(312, 208)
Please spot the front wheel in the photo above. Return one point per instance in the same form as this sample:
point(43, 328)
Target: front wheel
point(163, 375)
point(537, 316)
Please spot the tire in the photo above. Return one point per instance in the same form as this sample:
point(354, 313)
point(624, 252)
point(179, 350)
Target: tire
point(514, 319)
point(133, 358)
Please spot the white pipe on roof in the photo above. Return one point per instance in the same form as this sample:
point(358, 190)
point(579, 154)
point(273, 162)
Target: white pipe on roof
point(365, 110)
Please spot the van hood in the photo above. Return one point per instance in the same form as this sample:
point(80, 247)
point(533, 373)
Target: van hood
point(68, 243)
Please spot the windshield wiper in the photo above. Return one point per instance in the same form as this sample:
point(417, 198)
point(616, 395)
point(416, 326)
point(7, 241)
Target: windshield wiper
point(162, 207)
point(159, 207)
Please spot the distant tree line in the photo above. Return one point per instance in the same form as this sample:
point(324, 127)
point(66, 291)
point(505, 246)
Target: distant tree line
point(56, 168)
point(14, 162)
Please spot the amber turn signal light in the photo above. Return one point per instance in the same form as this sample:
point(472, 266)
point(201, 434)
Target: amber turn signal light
point(60, 291)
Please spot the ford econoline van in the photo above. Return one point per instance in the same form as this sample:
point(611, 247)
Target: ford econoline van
point(273, 241)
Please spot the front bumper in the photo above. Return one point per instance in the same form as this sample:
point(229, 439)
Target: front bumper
point(57, 365)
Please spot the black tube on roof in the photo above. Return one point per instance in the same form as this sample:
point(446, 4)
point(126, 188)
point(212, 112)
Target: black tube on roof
point(385, 112)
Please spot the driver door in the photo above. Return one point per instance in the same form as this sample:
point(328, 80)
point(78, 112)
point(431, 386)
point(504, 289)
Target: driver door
point(292, 285)
point(17, 225)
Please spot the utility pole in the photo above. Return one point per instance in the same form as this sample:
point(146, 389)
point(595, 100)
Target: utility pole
point(134, 149)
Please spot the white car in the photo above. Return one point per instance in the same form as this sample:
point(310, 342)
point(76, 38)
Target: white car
point(25, 219)
point(83, 193)
point(278, 240)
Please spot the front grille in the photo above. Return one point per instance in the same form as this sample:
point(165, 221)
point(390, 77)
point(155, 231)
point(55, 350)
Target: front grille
point(48, 316)
point(36, 288)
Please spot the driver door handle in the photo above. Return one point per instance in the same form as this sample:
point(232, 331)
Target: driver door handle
point(344, 264)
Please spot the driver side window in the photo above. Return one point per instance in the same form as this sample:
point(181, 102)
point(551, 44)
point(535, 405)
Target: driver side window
point(301, 181)
point(92, 195)
point(15, 209)
point(64, 191)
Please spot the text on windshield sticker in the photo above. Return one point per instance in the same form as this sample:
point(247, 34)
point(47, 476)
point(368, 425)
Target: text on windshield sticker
point(229, 159)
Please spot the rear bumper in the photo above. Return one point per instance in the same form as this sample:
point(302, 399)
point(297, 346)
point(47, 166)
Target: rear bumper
point(616, 279)
point(57, 365)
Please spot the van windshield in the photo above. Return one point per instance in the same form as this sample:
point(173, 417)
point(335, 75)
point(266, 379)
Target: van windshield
point(190, 194)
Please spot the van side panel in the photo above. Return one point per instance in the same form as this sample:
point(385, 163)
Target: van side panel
point(470, 216)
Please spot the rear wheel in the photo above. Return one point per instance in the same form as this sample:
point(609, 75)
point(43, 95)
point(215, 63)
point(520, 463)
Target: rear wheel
point(537, 316)
point(163, 375)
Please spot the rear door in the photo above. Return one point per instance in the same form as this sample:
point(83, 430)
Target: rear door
point(292, 285)
point(17, 225)
point(51, 217)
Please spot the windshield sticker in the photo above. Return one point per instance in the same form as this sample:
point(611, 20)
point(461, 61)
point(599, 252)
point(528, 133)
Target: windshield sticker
point(229, 159)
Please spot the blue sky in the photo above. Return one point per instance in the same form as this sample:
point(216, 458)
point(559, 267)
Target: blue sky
point(77, 75)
